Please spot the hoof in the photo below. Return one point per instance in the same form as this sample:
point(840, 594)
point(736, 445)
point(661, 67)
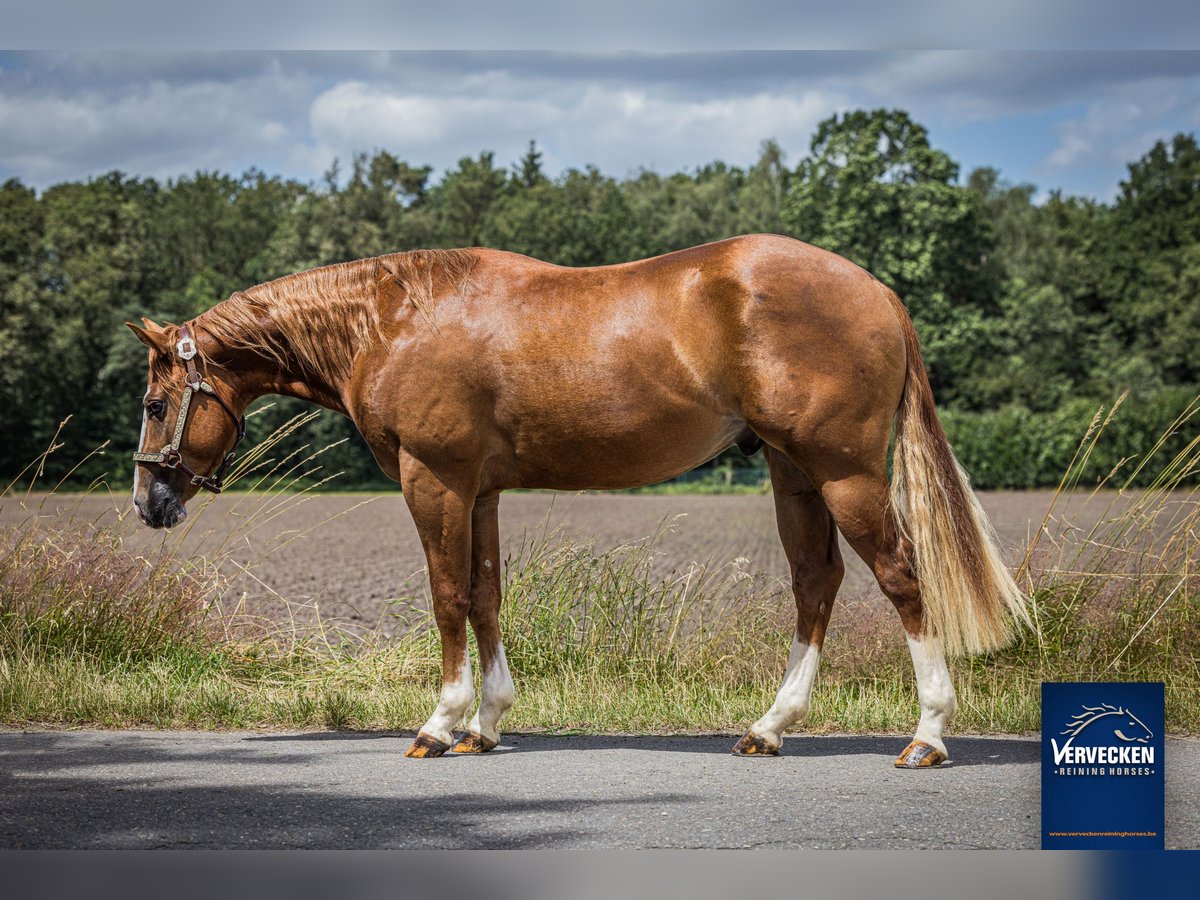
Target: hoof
point(474, 743)
point(426, 747)
point(752, 745)
point(920, 755)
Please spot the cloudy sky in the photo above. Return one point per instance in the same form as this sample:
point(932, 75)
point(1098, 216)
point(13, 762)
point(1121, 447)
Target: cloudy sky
point(1057, 119)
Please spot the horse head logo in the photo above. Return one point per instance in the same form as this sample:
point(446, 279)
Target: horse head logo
point(1125, 725)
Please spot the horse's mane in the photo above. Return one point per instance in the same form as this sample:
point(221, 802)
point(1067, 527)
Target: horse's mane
point(320, 318)
point(1090, 714)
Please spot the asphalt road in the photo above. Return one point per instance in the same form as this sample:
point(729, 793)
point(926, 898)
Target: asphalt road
point(186, 789)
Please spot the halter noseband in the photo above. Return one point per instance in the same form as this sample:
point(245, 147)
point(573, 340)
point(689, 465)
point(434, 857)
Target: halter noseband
point(170, 457)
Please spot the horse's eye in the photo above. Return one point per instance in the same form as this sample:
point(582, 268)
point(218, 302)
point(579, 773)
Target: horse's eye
point(156, 409)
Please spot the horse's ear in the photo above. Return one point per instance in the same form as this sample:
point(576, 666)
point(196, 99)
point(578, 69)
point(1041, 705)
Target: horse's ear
point(153, 336)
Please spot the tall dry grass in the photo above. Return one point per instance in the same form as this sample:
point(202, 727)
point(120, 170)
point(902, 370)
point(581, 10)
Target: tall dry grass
point(1120, 598)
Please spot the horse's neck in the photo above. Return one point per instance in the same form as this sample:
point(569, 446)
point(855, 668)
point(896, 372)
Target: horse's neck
point(259, 375)
point(306, 387)
point(304, 331)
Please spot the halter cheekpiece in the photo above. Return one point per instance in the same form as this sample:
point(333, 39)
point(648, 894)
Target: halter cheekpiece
point(193, 382)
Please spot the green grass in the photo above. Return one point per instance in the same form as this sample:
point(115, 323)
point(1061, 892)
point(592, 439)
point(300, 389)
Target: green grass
point(94, 634)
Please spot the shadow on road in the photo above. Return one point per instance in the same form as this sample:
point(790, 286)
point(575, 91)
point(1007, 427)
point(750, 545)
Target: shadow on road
point(964, 751)
point(72, 812)
point(355, 789)
point(57, 794)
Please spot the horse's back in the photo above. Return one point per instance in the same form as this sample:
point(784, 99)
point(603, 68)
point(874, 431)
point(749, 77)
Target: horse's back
point(733, 322)
point(730, 289)
point(658, 363)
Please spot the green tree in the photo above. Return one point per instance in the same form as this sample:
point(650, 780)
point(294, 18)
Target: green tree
point(21, 224)
point(581, 220)
point(464, 199)
point(1150, 258)
point(760, 200)
point(528, 172)
point(1038, 358)
point(209, 233)
point(93, 273)
point(382, 208)
point(24, 311)
point(681, 210)
point(875, 191)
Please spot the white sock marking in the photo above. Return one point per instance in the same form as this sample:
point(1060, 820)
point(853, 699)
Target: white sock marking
point(934, 688)
point(791, 703)
point(497, 697)
point(455, 701)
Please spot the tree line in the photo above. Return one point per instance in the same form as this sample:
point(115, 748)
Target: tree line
point(1031, 311)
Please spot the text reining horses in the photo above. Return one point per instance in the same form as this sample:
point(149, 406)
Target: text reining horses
point(471, 372)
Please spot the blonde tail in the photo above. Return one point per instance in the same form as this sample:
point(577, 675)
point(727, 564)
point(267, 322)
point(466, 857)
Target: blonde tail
point(970, 600)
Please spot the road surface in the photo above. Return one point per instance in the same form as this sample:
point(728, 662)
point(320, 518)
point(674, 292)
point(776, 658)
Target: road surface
point(191, 789)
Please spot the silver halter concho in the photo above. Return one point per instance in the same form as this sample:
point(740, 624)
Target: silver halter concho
point(170, 457)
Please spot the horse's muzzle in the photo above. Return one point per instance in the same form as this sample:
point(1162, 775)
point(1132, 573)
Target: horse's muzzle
point(162, 509)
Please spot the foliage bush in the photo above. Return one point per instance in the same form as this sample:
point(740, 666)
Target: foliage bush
point(1014, 448)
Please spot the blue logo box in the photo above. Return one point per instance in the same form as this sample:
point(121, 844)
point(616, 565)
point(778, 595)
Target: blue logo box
point(1102, 766)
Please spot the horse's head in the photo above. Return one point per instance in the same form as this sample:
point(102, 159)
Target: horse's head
point(191, 421)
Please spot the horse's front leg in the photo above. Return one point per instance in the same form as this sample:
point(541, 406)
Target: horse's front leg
point(482, 734)
point(441, 507)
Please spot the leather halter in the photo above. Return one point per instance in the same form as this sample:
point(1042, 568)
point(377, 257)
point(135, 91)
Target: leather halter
point(170, 457)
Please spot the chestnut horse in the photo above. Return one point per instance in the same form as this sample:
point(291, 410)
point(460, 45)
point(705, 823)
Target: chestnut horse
point(471, 372)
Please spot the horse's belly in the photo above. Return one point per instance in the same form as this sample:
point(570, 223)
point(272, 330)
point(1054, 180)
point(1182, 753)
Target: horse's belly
point(607, 452)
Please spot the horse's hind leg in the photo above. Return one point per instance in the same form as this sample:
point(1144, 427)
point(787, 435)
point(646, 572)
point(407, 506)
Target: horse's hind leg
point(810, 541)
point(482, 734)
point(860, 506)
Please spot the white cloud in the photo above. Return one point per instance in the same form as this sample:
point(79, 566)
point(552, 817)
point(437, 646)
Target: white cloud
point(1120, 126)
point(1079, 138)
point(616, 127)
point(154, 128)
point(666, 132)
point(355, 115)
point(68, 116)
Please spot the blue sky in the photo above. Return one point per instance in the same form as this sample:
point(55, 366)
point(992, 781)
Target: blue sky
point(1059, 119)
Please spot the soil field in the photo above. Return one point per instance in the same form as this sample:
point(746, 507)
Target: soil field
point(348, 558)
